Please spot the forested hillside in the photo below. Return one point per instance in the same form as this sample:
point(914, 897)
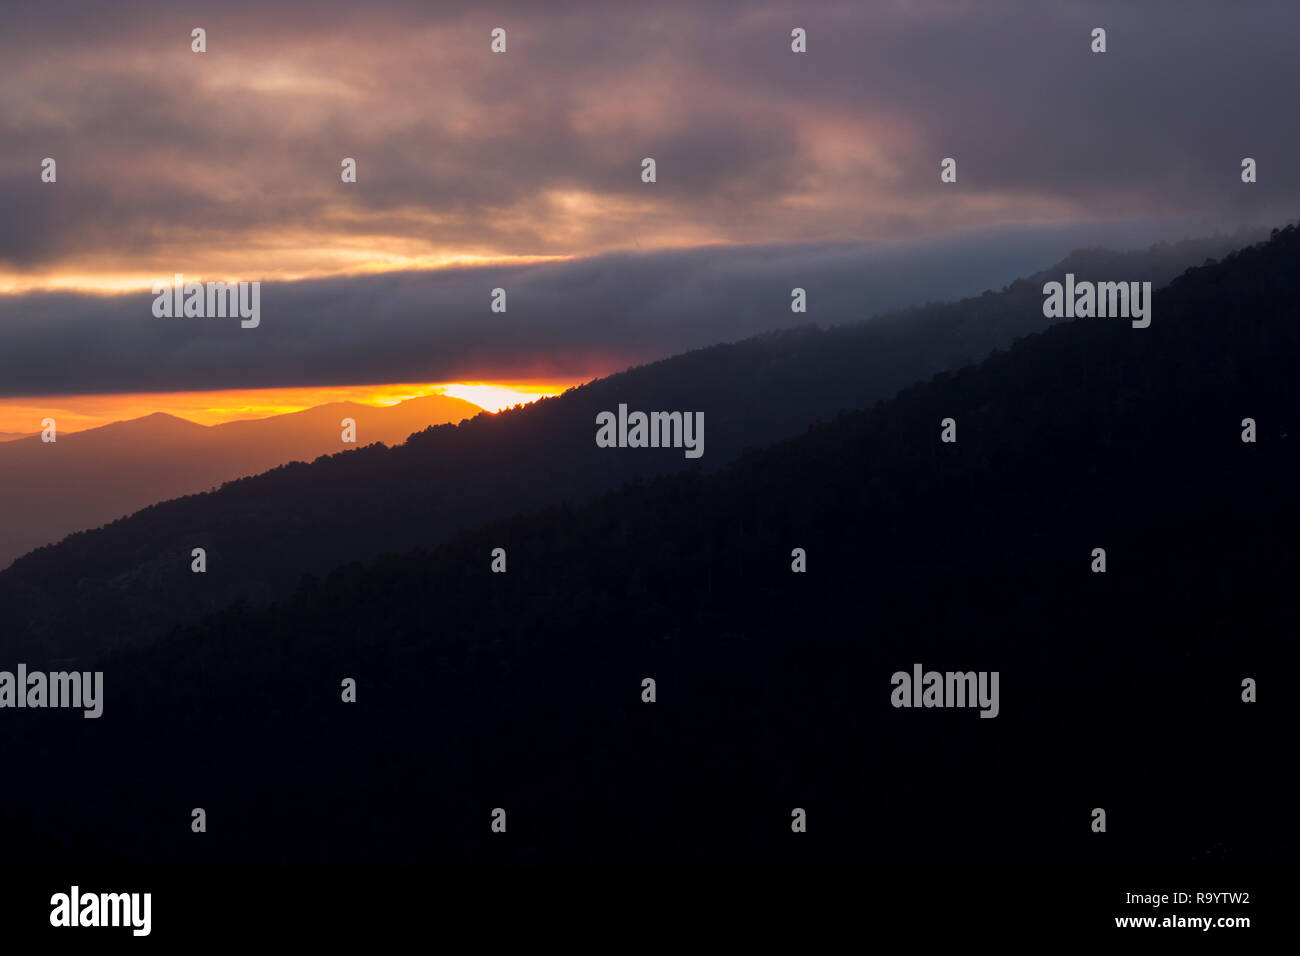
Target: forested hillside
point(131, 580)
point(523, 690)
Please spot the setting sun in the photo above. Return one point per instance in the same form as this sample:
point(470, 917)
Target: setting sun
point(80, 412)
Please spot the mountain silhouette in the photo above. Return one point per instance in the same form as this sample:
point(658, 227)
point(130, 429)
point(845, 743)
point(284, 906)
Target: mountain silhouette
point(523, 690)
point(88, 478)
point(131, 579)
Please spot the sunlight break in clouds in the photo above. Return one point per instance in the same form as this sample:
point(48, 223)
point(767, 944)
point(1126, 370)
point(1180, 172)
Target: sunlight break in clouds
point(79, 412)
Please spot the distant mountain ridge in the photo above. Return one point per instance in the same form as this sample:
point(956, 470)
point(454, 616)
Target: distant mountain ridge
point(131, 580)
point(88, 478)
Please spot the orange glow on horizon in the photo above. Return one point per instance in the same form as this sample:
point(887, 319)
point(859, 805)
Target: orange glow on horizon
point(78, 412)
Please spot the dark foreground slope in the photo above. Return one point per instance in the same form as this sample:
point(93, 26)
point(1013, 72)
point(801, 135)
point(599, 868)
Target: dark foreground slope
point(523, 690)
point(130, 580)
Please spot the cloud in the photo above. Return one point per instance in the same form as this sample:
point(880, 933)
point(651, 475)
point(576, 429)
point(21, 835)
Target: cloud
point(572, 319)
point(227, 163)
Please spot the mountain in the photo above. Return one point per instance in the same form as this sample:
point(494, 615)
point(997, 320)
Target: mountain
point(88, 478)
point(476, 690)
point(132, 580)
point(11, 436)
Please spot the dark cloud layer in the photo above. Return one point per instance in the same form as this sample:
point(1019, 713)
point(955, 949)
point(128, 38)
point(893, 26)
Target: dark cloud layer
point(571, 319)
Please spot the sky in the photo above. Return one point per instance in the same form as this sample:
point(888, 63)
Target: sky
point(522, 170)
point(75, 413)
